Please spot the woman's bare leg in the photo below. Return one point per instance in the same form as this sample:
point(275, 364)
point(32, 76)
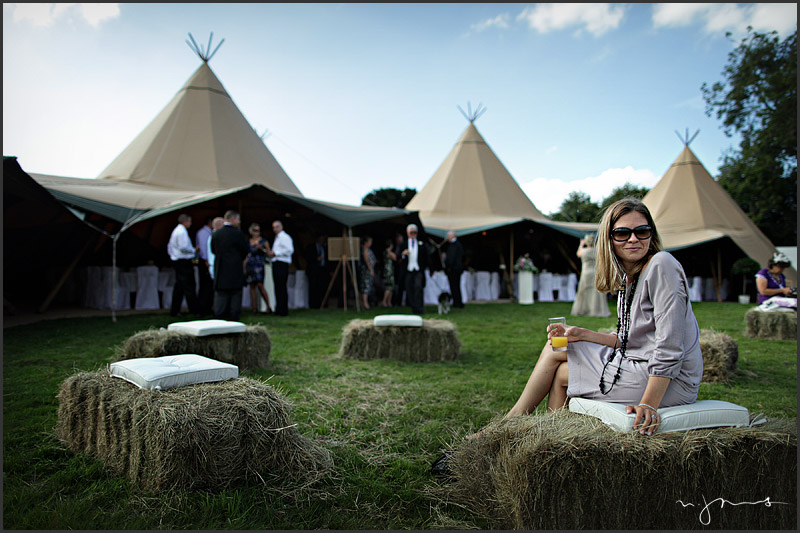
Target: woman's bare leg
point(541, 381)
point(253, 298)
point(557, 398)
point(549, 376)
point(263, 292)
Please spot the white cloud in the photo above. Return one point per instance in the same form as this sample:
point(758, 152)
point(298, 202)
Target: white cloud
point(547, 194)
point(44, 15)
point(500, 21)
point(597, 19)
point(721, 18)
point(551, 149)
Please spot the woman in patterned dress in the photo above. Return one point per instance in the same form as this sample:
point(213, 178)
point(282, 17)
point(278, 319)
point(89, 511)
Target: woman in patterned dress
point(368, 261)
point(254, 266)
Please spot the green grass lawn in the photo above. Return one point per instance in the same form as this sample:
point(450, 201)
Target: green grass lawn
point(384, 421)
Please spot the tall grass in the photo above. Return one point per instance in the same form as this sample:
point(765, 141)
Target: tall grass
point(384, 420)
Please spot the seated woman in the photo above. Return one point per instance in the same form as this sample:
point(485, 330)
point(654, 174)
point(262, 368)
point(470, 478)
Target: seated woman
point(654, 358)
point(770, 281)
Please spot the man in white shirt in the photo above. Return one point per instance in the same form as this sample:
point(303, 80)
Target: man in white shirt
point(181, 252)
point(281, 254)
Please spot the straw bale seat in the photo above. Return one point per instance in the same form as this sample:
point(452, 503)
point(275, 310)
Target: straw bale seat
point(435, 340)
point(720, 355)
point(563, 470)
point(247, 350)
point(776, 325)
point(204, 436)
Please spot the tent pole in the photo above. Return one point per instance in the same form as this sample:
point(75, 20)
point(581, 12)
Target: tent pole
point(510, 267)
point(353, 273)
point(114, 276)
point(566, 255)
point(47, 301)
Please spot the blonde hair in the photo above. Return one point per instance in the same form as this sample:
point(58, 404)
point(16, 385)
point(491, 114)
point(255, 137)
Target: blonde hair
point(609, 275)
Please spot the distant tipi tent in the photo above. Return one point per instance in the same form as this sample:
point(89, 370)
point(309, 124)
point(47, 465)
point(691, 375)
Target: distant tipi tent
point(690, 208)
point(472, 191)
point(182, 148)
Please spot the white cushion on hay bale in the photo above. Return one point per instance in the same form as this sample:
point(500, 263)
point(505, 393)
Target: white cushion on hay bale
point(201, 328)
point(400, 337)
point(414, 321)
point(171, 371)
point(701, 414)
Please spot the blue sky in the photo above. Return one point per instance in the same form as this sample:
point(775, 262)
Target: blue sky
point(355, 97)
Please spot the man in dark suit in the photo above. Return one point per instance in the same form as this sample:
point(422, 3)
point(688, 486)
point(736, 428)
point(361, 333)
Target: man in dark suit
point(230, 247)
point(414, 262)
point(453, 267)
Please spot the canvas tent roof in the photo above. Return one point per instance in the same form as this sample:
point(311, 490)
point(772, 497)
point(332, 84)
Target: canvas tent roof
point(472, 191)
point(133, 202)
point(184, 147)
point(690, 208)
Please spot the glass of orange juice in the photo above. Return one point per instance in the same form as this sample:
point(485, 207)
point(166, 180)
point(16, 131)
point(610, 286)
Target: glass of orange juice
point(559, 343)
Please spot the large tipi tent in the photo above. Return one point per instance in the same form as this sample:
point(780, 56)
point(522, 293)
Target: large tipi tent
point(473, 193)
point(201, 156)
point(691, 209)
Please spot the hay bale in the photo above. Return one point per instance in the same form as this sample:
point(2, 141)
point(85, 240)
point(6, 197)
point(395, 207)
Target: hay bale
point(204, 436)
point(246, 350)
point(436, 340)
point(777, 325)
point(568, 471)
point(720, 354)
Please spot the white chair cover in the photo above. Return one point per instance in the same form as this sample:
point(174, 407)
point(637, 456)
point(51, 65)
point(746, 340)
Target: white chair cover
point(723, 290)
point(696, 290)
point(483, 287)
point(431, 292)
point(572, 286)
point(147, 288)
point(709, 293)
point(556, 284)
point(123, 298)
point(567, 285)
point(298, 295)
point(545, 289)
point(94, 296)
point(467, 285)
point(495, 284)
point(166, 282)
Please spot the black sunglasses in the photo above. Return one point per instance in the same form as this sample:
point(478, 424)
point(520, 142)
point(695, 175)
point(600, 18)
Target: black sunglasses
point(623, 234)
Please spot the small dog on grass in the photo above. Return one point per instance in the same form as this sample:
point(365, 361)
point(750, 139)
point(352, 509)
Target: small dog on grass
point(445, 301)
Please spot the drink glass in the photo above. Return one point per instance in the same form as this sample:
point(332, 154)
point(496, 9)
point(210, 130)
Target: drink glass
point(559, 343)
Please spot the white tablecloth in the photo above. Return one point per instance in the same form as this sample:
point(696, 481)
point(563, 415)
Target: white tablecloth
point(435, 284)
point(483, 285)
point(495, 285)
point(298, 290)
point(147, 288)
point(467, 286)
point(696, 290)
point(122, 297)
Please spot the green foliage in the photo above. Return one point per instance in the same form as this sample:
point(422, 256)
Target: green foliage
point(389, 197)
point(745, 267)
point(578, 207)
point(629, 190)
point(758, 100)
point(384, 421)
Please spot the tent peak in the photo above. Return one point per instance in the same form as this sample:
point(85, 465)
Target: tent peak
point(470, 116)
point(204, 52)
point(686, 140)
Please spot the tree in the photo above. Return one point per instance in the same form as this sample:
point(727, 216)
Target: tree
point(578, 207)
point(388, 197)
point(629, 190)
point(758, 99)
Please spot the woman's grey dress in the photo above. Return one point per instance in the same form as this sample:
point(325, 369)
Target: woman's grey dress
point(589, 301)
point(664, 340)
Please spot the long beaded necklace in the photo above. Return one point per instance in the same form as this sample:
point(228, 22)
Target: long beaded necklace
point(623, 324)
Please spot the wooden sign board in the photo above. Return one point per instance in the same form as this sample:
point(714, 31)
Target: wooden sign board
point(339, 246)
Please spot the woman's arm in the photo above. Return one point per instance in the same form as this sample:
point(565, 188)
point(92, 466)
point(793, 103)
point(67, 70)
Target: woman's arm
point(576, 334)
point(761, 285)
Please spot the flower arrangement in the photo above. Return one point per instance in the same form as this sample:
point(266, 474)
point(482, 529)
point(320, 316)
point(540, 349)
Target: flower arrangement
point(525, 264)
